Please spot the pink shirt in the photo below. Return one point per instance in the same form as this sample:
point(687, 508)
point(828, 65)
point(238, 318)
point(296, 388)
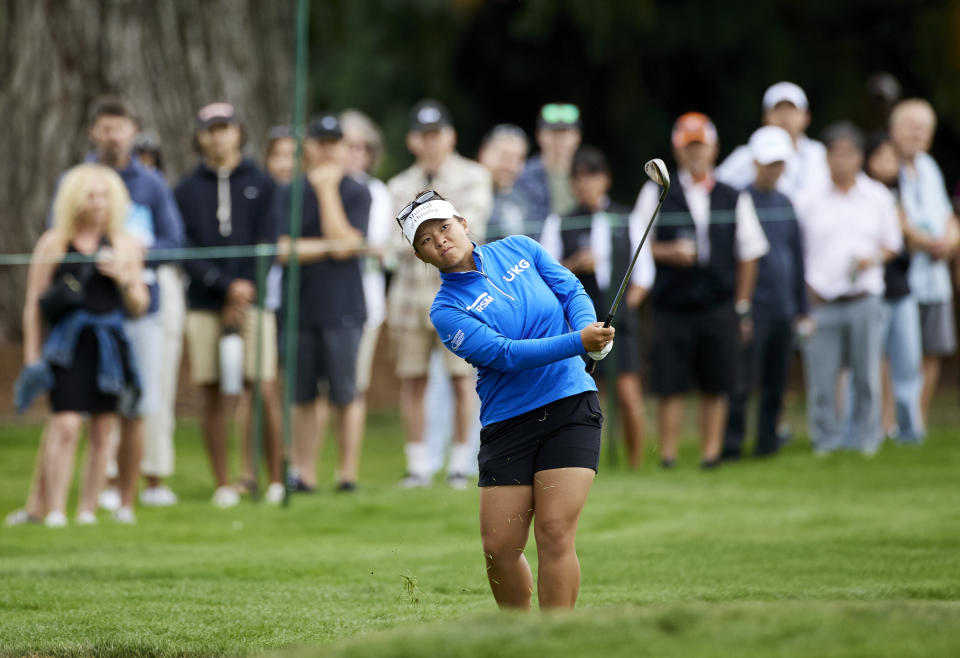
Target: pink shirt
point(839, 228)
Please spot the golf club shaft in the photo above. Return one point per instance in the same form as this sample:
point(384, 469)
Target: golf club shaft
point(626, 277)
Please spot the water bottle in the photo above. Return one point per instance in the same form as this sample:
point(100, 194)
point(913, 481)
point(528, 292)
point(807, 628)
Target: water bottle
point(231, 362)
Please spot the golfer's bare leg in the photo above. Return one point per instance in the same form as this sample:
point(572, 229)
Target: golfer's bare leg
point(669, 418)
point(558, 498)
point(713, 419)
point(505, 514)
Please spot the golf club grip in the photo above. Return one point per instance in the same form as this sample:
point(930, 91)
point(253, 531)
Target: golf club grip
point(593, 364)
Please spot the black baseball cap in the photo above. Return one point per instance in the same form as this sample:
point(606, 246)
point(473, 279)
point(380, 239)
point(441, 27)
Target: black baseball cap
point(325, 126)
point(219, 112)
point(429, 114)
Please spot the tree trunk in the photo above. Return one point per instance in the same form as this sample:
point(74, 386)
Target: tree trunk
point(168, 58)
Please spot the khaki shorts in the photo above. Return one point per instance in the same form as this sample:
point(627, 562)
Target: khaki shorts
point(412, 348)
point(204, 329)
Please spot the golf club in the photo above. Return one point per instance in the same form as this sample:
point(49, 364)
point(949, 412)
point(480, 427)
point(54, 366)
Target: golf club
point(656, 170)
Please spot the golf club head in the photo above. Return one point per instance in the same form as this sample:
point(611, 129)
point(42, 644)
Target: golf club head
point(657, 171)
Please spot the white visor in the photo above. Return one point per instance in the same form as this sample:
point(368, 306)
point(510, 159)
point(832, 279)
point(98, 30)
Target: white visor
point(436, 209)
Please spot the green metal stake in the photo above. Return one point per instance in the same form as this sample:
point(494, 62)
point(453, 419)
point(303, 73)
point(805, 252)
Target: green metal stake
point(292, 319)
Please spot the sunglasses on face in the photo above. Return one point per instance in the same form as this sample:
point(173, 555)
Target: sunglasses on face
point(426, 197)
point(560, 113)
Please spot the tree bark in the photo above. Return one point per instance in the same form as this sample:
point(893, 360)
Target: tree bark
point(167, 58)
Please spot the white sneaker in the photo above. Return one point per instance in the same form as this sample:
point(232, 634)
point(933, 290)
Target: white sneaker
point(225, 496)
point(86, 518)
point(125, 515)
point(457, 481)
point(18, 517)
point(160, 496)
point(55, 520)
point(413, 481)
point(109, 499)
point(275, 493)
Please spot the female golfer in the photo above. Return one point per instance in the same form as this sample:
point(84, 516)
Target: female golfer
point(523, 321)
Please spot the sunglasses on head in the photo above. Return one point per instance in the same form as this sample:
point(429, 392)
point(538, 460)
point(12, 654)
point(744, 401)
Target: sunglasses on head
point(425, 197)
point(560, 113)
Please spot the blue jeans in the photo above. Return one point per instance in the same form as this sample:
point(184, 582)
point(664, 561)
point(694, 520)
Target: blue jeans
point(846, 334)
point(902, 348)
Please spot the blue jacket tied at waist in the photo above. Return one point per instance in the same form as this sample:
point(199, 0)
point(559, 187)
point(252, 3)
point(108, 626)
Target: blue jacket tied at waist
point(116, 370)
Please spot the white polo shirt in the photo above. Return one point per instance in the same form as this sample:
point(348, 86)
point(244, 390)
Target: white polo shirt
point(751, 242)
point(840, 228)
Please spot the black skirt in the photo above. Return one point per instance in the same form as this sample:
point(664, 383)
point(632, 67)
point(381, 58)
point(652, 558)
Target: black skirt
point(75, 388)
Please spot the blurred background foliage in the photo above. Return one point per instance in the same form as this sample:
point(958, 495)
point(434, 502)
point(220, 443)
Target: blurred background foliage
point(632, 66)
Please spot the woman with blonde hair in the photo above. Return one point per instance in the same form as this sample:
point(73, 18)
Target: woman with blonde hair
point(84, 273)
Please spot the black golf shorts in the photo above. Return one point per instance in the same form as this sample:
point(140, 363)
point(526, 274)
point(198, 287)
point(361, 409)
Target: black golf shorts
point(562, 434)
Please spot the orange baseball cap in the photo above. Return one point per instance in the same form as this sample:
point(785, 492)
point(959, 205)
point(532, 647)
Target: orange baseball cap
point(693, 127)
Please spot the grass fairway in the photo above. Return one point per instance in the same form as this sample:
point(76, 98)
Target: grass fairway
point(796, 556)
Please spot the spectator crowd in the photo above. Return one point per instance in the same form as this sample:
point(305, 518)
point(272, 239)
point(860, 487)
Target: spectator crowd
point(839, 248)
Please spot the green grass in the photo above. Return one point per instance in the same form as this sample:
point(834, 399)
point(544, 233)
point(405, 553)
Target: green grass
point(797, 556)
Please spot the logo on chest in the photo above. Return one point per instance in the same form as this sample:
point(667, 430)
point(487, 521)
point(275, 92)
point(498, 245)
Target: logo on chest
point(516, 269)
point(481, 302)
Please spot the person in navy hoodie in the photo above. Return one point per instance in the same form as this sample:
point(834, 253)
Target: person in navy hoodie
point(523, 320)
point(227, 200)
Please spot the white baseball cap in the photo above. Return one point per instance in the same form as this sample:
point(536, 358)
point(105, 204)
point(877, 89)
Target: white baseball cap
point(785, 91)
point(433, 209)
point(770, 144)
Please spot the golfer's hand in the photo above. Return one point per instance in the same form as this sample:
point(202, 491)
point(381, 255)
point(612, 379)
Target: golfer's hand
point(595, 337)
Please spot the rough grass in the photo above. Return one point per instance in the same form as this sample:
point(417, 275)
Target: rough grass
point(796, 556)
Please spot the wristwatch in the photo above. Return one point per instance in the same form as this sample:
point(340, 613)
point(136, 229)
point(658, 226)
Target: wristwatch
point(742, 308)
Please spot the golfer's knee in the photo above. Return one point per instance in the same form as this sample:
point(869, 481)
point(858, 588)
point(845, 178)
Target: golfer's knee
point(555, 537)
point(498, 550)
